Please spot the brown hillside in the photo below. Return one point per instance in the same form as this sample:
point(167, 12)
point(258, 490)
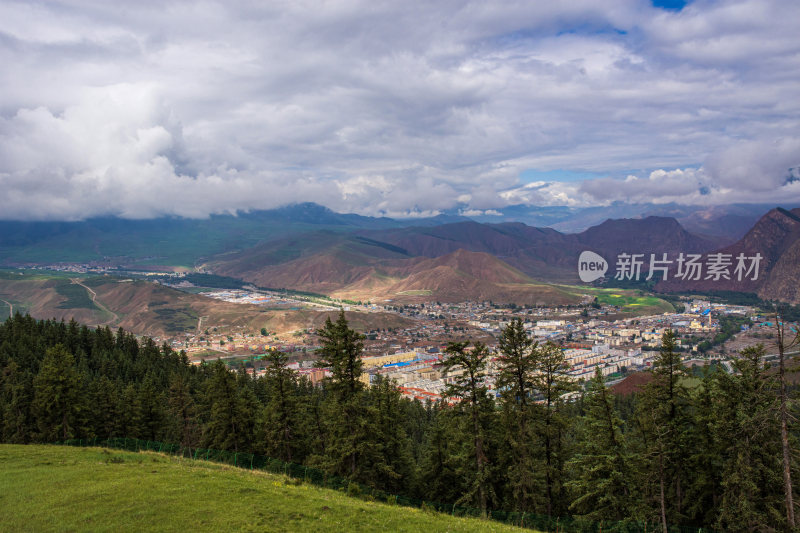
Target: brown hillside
point(370, 262)
point(539, 252)
point(40, 298)
point(319, 262)
point(154, 309)
point(465, 275)
point(647, 235)
point(458, 276)
point(448, 238)
point(350, 269)
point(544, 253)
point(776, 236)
point(150, 309)
point(322, 273)
point(477, 265)
point(783, 282)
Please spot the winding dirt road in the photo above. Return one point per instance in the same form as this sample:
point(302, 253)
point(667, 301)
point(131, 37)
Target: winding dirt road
point(10, 307)
point(93, 296)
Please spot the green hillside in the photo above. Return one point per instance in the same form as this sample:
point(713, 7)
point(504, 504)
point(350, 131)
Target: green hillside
point(169, 240)
point(57, 488)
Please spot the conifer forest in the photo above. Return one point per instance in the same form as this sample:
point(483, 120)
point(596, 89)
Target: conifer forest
point(720, 454)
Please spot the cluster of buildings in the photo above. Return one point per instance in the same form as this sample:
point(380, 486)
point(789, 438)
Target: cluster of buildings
point(264, 298)
point(613, 347)
point(412, 355)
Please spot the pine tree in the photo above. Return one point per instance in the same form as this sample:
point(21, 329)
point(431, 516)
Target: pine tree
point(601, 480)
point(438, 477)
point(749, 434)
point(125, 424)
point(58, 404)
point(231, 412)
point(665, 424)
point(350, 437)
point(704, 453)
point(517, 360)
point(517, 365)
point(104, 408)
point(552, 382)
point(280, 416)
point(16, 396)
point(784, 344)
point(341, 352)
point(348, 432)
point(183, 410)
point(147, 411)
point(391, 461)
point(468, 386)
point(315, 423)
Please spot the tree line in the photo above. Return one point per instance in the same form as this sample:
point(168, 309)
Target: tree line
point(715, 455)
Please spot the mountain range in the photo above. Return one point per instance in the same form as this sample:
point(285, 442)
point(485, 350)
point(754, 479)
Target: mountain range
point(728, 222)
point(309, 247)
point(776, 237)
point(504, 262)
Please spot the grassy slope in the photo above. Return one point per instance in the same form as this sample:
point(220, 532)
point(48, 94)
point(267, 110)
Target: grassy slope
point(55, 488)
point(160, 242)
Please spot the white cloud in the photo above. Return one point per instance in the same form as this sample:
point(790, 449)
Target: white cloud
point(190, 108)
point(660, 187)
point(755, 166)
point(478, 213)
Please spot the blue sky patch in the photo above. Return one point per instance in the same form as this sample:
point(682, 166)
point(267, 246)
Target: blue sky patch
point(672, 5)
point(531, 175)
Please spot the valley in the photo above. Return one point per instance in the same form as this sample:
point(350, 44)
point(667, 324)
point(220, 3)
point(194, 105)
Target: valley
point(306, 261)
point(536, 263)
point(270, 283)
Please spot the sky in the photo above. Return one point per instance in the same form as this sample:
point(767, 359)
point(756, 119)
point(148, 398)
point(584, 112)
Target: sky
point(144, 109)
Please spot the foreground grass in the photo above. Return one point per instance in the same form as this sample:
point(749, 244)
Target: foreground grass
point(58, 488)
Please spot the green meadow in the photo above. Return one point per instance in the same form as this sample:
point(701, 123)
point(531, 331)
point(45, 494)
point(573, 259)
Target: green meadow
point(59, 488)
point(629, 301)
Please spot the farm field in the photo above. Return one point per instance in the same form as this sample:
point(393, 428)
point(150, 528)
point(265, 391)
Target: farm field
point(629, 301)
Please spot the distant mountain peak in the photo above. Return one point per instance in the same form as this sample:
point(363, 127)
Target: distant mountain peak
point(794, 214)
point(640, 222)
point(776, 238)
point(305, 206)
point(650, 234)
point(775, 224)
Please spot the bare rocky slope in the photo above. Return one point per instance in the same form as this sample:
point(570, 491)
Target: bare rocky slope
point(776, 237)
